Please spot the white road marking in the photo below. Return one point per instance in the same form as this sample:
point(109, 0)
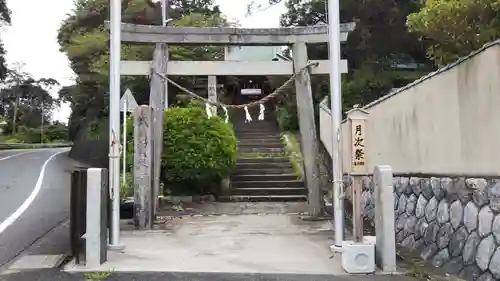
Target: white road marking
point(14, 155)
point(12, 218)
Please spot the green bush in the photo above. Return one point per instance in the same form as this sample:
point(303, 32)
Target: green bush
point(13, 140)
point(196, 150)
point(286, 116)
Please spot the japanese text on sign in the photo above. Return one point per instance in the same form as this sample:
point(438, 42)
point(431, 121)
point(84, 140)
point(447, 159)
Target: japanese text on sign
point(358, 147)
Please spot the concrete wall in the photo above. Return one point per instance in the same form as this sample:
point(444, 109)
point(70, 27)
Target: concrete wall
point(446, 124)
point(444, 128)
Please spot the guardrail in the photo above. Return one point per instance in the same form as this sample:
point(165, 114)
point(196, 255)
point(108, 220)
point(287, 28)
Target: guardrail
point(6, 146)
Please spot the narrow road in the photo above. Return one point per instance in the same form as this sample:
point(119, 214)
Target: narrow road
point(34, 197)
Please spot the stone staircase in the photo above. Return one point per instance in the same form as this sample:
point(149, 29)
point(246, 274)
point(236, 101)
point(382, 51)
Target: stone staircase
point(263, 171)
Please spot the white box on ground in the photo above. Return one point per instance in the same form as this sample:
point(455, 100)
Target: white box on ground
point(358, 257)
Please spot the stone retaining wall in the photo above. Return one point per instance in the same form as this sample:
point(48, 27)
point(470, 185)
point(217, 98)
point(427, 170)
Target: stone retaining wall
point(454, 223)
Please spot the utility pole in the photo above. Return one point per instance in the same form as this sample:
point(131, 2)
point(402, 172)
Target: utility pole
point(114, 122)
point(336, 109)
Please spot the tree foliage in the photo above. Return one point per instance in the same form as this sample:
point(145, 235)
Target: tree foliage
point(84, 39)
point(4, 20)
point(24, 99)
point(454, 28)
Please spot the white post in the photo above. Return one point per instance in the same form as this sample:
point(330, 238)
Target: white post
point(385, 247)
point(212, 92)
point(114, 121)
point(95, 237)
point(164, 23)
point(336, 108)
point(124, 152)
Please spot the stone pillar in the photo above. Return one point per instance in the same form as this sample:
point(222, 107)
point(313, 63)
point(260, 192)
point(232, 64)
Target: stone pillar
point(143, 185)
point(96, 239)
point(157, 102)
point(309, 141)
point(385, 247)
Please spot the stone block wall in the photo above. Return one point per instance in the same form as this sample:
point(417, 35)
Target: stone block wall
point(454, 223)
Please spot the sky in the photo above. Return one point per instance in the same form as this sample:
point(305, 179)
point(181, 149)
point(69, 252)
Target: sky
point(31, 40)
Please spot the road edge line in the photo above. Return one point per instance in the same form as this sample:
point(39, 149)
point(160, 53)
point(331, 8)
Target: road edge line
point(14, 216)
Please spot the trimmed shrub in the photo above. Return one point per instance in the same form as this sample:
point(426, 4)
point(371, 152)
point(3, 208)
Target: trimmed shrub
point(197, 151)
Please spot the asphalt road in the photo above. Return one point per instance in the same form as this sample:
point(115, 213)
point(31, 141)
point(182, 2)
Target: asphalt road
point(25, 214)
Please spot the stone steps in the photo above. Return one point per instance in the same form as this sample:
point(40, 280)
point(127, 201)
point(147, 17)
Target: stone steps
point(267, 176)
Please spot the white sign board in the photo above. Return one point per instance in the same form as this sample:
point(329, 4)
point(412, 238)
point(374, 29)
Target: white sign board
point(128, 102)
point(251, 91)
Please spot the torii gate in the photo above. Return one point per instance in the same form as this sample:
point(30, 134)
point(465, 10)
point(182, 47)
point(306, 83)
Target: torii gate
point(297, 37)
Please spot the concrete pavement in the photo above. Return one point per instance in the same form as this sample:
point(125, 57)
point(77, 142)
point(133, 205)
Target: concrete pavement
point(54, 275)
point(34, 197)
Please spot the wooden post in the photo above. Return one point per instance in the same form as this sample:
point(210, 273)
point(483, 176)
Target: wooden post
point(357, 120)
point(157, 101)
point(143, 188)
point(309, 141)
point(212, 92)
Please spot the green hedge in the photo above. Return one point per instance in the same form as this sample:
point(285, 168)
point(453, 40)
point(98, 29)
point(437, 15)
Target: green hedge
point(197, 152)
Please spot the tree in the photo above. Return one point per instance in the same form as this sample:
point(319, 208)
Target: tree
point(4, 20)
point(27, 100)
point(379, 41)
point(84, 39)
point(454, 28)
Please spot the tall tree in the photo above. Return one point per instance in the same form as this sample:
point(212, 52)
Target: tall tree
point(4, 20)
point(454, 28)
point(26, 100)
point(84, 39)
point(380, 41)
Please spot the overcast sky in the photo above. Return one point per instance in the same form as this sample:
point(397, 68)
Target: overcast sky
point(32, 38)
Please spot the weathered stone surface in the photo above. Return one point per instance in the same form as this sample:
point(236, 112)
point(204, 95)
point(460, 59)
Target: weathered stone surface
point(426, 188)
point(431, 232)
point(396, 182)
point(411, 204)
point(495, 263)
point(396, 200)
point(410, 225)
point(485, 221)
point(400, 236)
point(484, 252)
point(420, 228)
point(456, 214)
point(367, 183)
point(402, 204)
point(441, 258)
point(470, 272)
point(479, 191)
point(450, 191)
point(454, 266)
point(443, 213)
point(420, 208)
point(405, 182)
point(470, 248)
point(437, 188)
point(486, 277)
point(494, 195)
point(463, 191)
point(470, 216)
point(431, 209)
point(457, 241)
point(496, 228)
point(419, 245)
point(401, 221)
point(415, 185)
point(429, 252)
point(444, 235)
point(409, 242)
